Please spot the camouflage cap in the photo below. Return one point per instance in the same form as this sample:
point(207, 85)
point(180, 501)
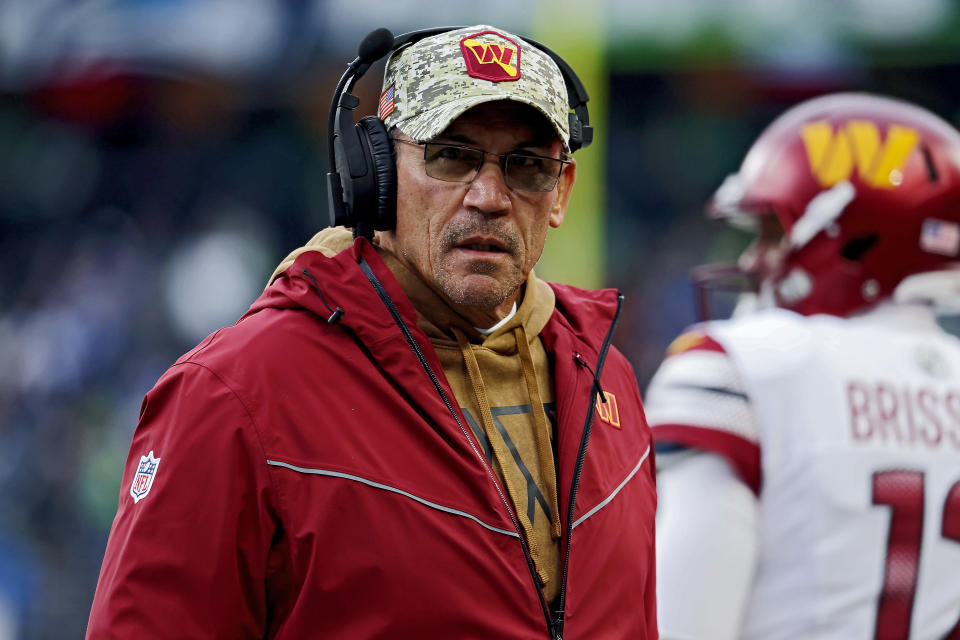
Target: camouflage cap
point(429, 84)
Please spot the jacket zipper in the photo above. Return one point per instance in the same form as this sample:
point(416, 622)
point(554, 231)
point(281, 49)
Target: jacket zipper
point(554, 633)
point(557, 624)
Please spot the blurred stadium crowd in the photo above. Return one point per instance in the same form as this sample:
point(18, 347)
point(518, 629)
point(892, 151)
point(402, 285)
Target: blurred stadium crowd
point(159, 157)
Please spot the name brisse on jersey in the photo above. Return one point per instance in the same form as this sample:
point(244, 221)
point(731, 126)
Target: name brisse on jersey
point(885, 413)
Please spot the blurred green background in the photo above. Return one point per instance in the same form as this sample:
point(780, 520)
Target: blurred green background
point(159, 157)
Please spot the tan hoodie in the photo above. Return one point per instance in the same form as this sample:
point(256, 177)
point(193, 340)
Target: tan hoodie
point(503, 384)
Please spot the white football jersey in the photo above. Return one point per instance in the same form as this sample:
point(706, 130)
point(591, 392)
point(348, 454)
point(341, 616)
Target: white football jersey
point(848, 431)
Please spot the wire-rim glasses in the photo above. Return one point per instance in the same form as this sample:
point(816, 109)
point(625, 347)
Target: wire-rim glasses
point(459, 163)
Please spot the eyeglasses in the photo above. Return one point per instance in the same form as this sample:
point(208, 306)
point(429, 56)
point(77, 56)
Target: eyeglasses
point(459, 163)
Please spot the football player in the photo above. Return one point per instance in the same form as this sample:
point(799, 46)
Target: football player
point(809, 449)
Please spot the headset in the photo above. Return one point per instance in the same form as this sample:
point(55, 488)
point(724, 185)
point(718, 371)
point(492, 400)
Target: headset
point(362, 183)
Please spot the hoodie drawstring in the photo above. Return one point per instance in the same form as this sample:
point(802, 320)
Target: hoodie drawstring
point(542, 427)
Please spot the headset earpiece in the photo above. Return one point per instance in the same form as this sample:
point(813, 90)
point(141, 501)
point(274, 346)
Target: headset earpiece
point(362, 174)
point(379, 188)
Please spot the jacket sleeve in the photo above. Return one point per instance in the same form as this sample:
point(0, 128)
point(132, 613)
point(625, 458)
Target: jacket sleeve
point(189, 556)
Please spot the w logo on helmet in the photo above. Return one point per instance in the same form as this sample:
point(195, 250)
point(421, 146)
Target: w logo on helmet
point(491, 56)
point(857, 145)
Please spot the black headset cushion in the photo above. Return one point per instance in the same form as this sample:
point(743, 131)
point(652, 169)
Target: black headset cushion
point(384, 171)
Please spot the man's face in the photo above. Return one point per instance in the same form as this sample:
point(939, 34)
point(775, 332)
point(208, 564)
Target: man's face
point(475, 243)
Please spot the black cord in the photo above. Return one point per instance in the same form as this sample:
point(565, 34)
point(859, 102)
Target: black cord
point(596, 381)
point(335, 314)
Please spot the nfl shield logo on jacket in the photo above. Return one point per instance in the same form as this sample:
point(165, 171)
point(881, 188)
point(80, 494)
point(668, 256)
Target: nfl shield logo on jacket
point(143, 480)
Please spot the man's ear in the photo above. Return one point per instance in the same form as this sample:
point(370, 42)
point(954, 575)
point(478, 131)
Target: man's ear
point(564, 187)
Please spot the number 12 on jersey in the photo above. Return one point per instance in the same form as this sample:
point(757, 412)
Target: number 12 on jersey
point(903, 491)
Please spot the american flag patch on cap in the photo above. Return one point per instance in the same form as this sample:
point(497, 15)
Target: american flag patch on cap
point(386, 102)
point(941, 237)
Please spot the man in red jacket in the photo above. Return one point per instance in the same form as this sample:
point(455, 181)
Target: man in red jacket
point(408, 434)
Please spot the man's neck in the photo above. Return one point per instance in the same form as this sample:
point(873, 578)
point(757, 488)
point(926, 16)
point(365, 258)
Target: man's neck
point(504, 320)
point(489, 318)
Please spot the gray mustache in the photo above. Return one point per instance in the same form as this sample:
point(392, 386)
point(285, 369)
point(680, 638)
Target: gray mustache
point(459, 230)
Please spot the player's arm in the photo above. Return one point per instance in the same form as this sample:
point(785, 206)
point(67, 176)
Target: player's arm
point(708, 480)
point(706, 548)
point(188, 551)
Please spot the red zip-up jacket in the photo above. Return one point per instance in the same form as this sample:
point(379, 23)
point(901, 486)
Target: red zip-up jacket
point(310, 478)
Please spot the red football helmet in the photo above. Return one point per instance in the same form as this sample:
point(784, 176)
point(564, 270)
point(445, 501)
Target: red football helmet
point(867, 192)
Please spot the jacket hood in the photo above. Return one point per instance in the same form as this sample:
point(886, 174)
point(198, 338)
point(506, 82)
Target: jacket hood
point(323, 276)
point(328, 242)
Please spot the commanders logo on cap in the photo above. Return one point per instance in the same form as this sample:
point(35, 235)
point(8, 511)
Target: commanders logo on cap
point(432, 82)
point(491, 56)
